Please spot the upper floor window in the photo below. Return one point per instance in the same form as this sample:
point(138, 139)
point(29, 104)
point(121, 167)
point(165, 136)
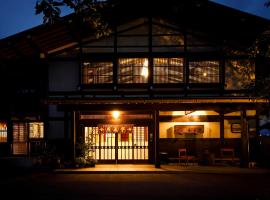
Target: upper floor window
point(204, 72)
point(168, 70)
point(133, 70)
point(97, 72)
point(3, 132)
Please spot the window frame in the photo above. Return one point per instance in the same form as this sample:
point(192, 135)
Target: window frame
point(183, 81)
point(140, 76)
point(3, 132)
point(96, 76)
point(204, 84)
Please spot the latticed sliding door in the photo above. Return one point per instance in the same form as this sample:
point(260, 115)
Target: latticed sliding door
point(117, 142)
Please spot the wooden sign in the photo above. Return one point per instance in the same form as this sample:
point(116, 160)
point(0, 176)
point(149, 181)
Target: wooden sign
point(188, 129)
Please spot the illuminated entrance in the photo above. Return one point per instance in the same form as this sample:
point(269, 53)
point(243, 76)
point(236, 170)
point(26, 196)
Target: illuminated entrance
point(121, 142)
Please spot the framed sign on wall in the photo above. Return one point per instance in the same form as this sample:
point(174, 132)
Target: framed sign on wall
point(188, 129)
point(236, 128)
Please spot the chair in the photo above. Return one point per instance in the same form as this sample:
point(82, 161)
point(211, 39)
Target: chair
point(182, 156)
point(227, 155)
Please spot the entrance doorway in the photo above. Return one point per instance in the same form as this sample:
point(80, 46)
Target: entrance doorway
point(124, 143)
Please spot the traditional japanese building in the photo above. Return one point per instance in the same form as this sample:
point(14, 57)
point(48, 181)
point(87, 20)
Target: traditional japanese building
point(170, 75)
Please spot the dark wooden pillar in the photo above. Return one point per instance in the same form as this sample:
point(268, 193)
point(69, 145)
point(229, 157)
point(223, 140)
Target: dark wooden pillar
point(10, 136)
point(221, 121)
point(67, 131)
point(244, 159)
point(156, 131)
point(73, 134)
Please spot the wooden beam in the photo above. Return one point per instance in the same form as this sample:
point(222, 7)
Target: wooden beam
point(32, 42)
point(16, 50)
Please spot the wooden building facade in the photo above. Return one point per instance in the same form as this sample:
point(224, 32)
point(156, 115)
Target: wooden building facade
point(169, 76)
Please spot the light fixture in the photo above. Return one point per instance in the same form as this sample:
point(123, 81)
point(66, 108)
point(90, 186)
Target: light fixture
point(116, 114)
point(145, 68)
point(204, 74)
point(187, 112)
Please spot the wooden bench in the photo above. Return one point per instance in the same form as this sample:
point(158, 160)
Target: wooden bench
point(227, 155)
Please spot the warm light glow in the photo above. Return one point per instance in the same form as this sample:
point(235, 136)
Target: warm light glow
point(116, 114)
point(193, 113)
point(198, 112)
point(204, 74)
point(145, 69)
point(177, 113)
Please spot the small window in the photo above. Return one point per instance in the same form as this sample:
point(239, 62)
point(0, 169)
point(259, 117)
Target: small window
point(97, 72)
point(204, 72)
point(133, 70)
point(19, 138)
point(36, 130)
point(168, 70)
point(3, 132)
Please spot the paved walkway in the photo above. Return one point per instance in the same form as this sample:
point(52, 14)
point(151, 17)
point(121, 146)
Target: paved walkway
point(164, 169)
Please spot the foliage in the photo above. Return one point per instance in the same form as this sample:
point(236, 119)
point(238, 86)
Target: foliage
point(85, 153)
point(86, 12)
point(261, 48)
point(84, 162)
point(48, 158)
point(261, 88)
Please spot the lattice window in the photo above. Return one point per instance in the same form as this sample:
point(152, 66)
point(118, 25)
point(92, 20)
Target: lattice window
point(97, 72)
point(133, 70)
point(36, 130)
point(19, 132)
point(204, 72)
point(168, 70)
point(19, 138)
point(3, 132)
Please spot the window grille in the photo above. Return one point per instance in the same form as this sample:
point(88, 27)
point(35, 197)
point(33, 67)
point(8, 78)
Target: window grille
point(3, 132)
point(133, 70)
point(97, 72)
point(36, 130)
point(168, 70)
point(204, 72)
point(19, 138)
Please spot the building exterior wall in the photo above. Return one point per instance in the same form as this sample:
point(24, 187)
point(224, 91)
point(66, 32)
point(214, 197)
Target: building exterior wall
point(63, 76)
point(146, 62)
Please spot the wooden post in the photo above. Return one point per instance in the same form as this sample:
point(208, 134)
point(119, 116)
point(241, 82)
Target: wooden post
point(10, 136)
point(73, 135)
point(156, 131)
point(221, 121)
point(244, 159)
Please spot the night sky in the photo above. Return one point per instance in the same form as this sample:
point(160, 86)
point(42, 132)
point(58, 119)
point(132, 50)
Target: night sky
point(19, 15)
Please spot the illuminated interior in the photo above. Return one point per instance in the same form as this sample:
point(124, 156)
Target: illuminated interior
point(3, 132)
point(130, 141)
point(133, 70)
point(201, 124)
point(36, 130)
